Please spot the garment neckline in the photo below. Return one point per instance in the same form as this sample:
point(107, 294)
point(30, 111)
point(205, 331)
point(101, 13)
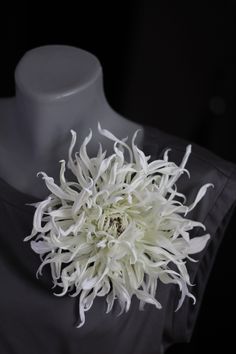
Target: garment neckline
point(15, 197)
point(19, 199)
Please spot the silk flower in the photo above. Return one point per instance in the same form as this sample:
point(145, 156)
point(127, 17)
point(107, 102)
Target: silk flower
point(118, 228)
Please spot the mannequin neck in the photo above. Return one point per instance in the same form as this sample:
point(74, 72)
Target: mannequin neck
point(59, 88)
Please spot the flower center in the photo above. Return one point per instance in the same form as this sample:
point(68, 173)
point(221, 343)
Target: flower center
point(115, 224)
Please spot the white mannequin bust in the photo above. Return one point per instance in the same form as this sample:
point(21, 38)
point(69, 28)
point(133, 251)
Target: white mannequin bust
point(58, 88)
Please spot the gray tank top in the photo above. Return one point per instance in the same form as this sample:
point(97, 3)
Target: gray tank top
point(33, 320)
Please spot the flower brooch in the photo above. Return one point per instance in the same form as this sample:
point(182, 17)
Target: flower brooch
point(118, 228)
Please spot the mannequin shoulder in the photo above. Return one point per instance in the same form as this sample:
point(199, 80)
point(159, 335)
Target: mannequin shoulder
point(200, 157)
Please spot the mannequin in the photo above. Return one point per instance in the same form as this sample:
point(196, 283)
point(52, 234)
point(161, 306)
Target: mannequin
point(58, 88)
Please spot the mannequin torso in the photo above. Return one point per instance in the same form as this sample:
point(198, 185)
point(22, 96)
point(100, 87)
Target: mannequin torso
point(58, 88)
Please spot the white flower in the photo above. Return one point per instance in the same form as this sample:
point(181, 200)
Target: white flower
point(118, 229)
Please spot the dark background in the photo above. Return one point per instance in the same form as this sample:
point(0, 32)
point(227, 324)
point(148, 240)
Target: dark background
point(168, 64)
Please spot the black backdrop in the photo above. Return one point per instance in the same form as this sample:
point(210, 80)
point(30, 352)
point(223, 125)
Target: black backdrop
point(168, 64)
